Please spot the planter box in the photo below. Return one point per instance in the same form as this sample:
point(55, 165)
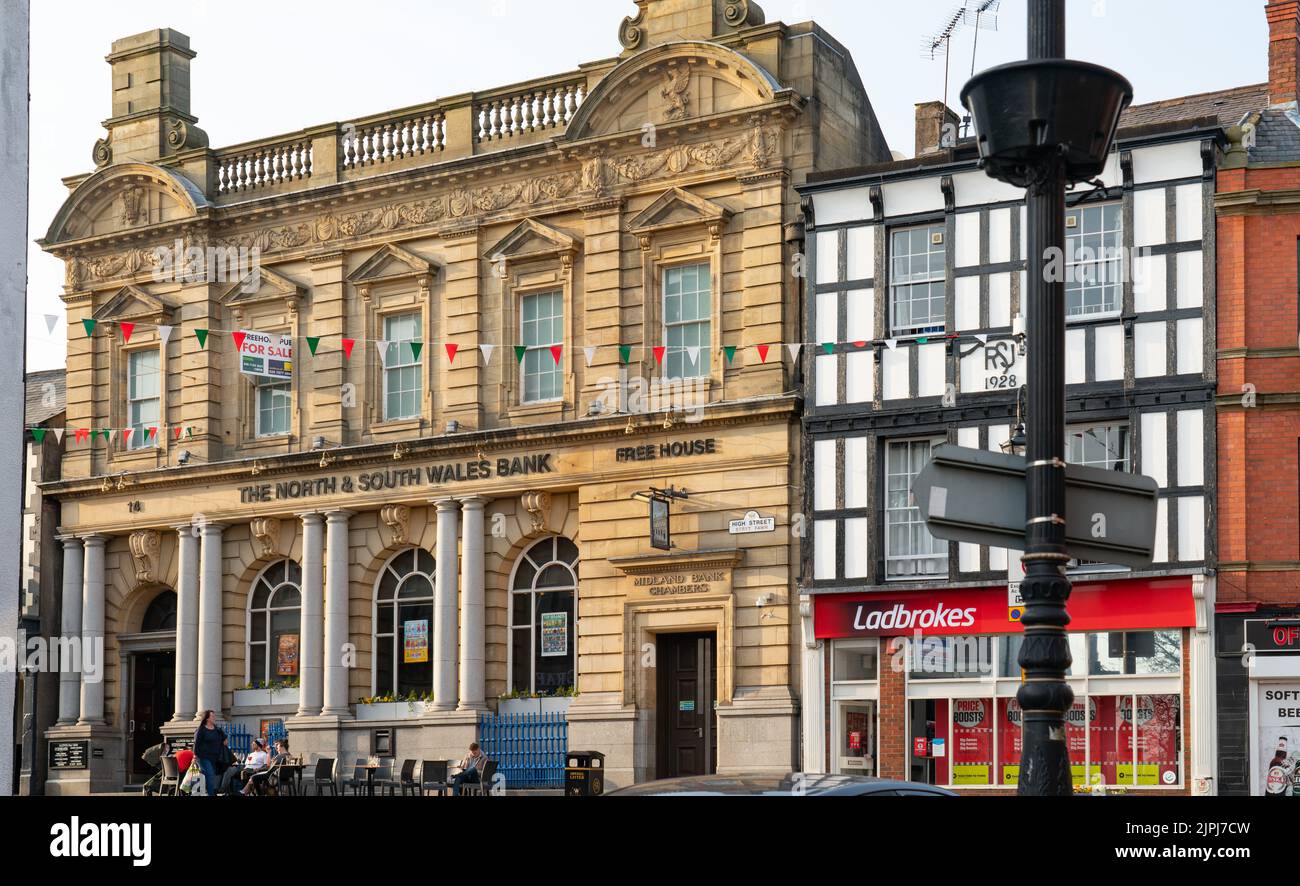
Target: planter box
point(533, 705)
point(394, 710)
point(265, 698)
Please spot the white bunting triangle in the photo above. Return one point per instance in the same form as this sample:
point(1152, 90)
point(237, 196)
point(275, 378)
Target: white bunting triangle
point(51, 320)
point(693, 354)
point(794, 352)
point(58, 434)
point(892, 344)
point(590, 351)
point(487, 353)
point(982, 339)
point(165, 334)
point(383, 353)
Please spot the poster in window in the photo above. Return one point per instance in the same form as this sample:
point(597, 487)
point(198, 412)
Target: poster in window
point(1010, 740)
point(555, 634)
point(972, 741)
point(1279, 739)
point(264, 355)
point(286, 656)
point(1154, 729)
point(415, 645)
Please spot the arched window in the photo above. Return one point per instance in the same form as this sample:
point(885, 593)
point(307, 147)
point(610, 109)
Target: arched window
point(542, 630)
point(161, 614)
point(404, 624)
point(274, 624)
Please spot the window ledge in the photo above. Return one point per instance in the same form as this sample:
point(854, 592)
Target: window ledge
point(550, 408)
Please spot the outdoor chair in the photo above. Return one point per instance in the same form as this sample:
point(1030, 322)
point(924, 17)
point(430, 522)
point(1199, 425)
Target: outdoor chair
point(484, 786)
point(384, 778)
point(406, 780)
point(321, 778)
point(433, 777)
point(358, 780)
point(171, 777)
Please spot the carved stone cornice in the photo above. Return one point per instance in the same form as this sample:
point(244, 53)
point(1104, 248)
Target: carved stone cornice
point(266, 531)
point(398, 520)
point(145, 545)
point(537, 504)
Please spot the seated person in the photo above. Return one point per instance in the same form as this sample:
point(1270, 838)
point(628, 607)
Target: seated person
point(256, 761)
point(471, 769)
point(258, 781)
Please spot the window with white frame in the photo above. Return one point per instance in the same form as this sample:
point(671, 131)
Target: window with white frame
point(542, 618)
point(541, 328)
point(273, 406)
point(404, 625)
point(143, 396)
point(917, 281)
point(1094, 260)
point(688, 313)
point(402, 381)
point(1105, 447)
point(274, 624)
point(911, 552)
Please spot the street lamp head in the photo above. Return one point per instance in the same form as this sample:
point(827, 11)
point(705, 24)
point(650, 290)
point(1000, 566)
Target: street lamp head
point(1029, 113)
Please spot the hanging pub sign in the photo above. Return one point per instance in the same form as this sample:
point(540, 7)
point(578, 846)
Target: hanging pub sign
point(661, 538)
point(265, 355)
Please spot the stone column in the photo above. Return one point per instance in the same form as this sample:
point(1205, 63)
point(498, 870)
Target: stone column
point(70, 629)
point(336, 614)
point(444, 605)
point(311, 696)
point(209, 657)
point(92, 634)
point(187, 624)
point(473, 652)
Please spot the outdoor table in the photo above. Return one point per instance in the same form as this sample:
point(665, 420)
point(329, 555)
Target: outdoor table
point(370, 778)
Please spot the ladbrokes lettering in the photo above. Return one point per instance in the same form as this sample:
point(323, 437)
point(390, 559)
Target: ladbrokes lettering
point(902, 618)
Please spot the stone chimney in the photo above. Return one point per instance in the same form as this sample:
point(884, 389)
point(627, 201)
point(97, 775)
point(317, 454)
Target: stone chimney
point(151, 99)
point(937, 128)
point(1283, 50)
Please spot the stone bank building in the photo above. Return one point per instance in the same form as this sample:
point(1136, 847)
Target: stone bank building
point(428, 490)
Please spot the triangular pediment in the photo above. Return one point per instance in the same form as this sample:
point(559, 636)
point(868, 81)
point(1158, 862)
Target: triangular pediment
point(532, 239)
point(133, 303)
point(677, 208)
point(392, 263)
point(263, 284)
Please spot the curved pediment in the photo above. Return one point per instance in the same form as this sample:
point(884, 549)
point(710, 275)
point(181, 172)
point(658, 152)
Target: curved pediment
point(670, 84)
point(123, 197)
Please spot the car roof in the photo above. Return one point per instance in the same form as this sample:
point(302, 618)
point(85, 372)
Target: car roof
point(793, 784)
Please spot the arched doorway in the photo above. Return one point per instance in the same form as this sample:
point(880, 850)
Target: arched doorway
point(152, 664)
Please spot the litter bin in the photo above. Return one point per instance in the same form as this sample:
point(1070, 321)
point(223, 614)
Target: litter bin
point(585, 774)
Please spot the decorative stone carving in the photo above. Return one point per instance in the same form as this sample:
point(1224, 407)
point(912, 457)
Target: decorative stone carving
point(398, 519)
point(266, 530)
point(102, 154)
point(145, 544)
point(677, 93)
point(537, 504)
point(630, 33)
point(743, 13)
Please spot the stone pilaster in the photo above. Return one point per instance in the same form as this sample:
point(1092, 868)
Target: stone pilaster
point(322, 387)
point(70, 627)
point(311, 693)
point(336, 614)
point(444, 605)
point(473, 641)
point(187, 624)
point(92, 634)
point(209, 649)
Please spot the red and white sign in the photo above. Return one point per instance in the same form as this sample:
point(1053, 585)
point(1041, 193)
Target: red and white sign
point(920, 746)
point(1125, 605)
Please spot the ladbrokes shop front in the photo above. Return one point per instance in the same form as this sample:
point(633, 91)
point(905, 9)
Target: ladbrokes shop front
point(921, 685)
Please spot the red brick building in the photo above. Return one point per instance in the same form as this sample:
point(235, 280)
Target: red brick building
point(1258, 606)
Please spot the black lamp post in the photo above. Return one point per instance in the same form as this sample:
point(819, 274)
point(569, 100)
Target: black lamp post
point(1045, 123)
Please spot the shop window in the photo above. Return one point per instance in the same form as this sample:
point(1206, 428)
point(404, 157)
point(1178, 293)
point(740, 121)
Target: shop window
point(1126, 653)
point(274, 624)
point(1095, 263)
point(917, 281)
point(1009, 655)
point(542, 630)
point(1105, 447)
point(541, 329)
point(143, 396)
point(403, 624)
point(402, 369)
point(273, 407)
point(688, 313)
point(911, 552)
point(950, 658)
point(855, 662)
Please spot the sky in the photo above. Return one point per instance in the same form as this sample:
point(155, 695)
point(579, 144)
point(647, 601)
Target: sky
point(266, 68)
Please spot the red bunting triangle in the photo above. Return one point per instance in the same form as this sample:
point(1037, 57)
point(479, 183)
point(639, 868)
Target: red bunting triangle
point(348, 345)
point(153, 432)
point(126, 435)
point(81, 434)
point(451, 352)
point(659, 354)
point(239, 340)
point(556, 351)
point(176, 433)
point(127, 329)
point(762, 352)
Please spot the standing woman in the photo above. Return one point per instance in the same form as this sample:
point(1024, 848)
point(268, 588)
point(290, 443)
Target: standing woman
point(208, 749)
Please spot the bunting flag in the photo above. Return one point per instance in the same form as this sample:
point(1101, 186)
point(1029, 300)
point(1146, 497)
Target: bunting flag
point(126, 436)
point(590, 353)
point(556, 351)
point(762, 353)
point(892, 344)
point(982, 339)
point(313, 342)
point(693, 354)
point(451, 352)
point(89, 325)
point(58, 434)
point(127, 329)
point(239, 340)
point(383, 353)
point(860, 344)
point(203, 337)
point(417, 348)
point(794, 352)
point(176, 433)
point(487, 353)
point(659, 354)
point(164, 334)
point(730, 352)
point(51, 320)
point(829, 348)
point(153, 433)
point(520, 350)
point(348, 345)
point(38, 434)
point(625, 353)
point(923, 341)
point(81, 433)
point(189, 432)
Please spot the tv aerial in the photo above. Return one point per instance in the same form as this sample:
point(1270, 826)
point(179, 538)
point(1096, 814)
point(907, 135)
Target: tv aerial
point(979, 15)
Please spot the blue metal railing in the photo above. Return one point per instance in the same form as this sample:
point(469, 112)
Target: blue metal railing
point(530, 749)
point(240, 739)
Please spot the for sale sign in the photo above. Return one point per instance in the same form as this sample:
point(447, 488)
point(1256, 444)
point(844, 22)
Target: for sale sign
point(265, 355)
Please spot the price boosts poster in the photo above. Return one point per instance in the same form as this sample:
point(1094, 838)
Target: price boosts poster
point(1279, 739)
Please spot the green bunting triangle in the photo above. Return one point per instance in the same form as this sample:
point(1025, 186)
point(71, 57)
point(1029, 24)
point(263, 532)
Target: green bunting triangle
point(313, 342)
point(203, 337)
point(730, 353)
point(829, 348)
point(416, 348)
point(520, 350)
point(38, 434)
point(90, 326)
point(625, 353)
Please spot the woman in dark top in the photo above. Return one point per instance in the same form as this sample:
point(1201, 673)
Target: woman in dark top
point(208, 749)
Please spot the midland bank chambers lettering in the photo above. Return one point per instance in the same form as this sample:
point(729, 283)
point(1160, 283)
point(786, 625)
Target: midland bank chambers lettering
point(379, 481)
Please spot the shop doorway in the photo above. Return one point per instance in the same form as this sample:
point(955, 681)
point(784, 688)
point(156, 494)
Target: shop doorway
point(153, 679)
point(688, 737)
point(856, 728)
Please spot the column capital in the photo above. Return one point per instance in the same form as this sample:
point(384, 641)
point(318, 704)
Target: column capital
point(68, 539)
point(95, 541)
point(445, 503)
point(339, 516)
point(212, 528)
point(311, 517)
point(475, 501)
